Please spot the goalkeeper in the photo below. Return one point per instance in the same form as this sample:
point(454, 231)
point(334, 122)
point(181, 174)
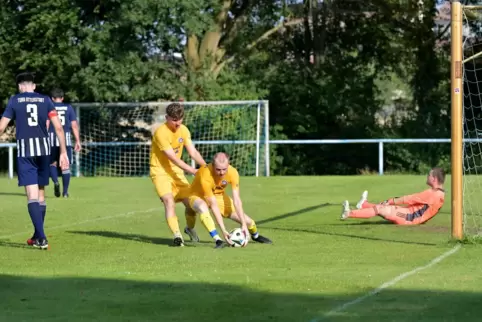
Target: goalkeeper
point(419, 207)
point(167, 168)
point(209, 186)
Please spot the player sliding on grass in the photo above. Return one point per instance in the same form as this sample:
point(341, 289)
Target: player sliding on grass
point(420, 207)
point(167, 168)
point(209, 186)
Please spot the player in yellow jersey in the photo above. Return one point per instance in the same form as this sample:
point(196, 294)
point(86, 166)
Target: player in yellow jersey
point(208, 188)
point(167, 168)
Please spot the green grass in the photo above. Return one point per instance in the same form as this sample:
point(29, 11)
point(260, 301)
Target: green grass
point(110, 258)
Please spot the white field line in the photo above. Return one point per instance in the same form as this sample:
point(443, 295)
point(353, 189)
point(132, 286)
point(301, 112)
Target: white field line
point(390, 283)
point(88, 221)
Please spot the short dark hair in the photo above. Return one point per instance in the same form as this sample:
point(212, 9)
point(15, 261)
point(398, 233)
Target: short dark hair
point(57, 93)
point(25, 77)
point(175, 111)
point(439, 174)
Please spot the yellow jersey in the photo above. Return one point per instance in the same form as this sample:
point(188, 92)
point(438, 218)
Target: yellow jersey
point(164, 139)
point(206, 184)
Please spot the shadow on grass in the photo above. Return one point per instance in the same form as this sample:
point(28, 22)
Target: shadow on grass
point(133, 237)
point(313, 231)
point(293, 213)
point(4, 243)
point(94, 299)
point(361, 223)
point(22, 194)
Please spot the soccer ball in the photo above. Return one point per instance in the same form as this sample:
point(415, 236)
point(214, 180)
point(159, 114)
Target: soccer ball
point(238, 238)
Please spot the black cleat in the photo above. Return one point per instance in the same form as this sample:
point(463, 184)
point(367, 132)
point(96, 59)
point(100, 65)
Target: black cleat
point(41, 244)
point(262, 240)
point(57, 189)
point(219, 244)
point(178, 242)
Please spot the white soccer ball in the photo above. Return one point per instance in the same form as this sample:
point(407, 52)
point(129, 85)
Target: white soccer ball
point(238, 238)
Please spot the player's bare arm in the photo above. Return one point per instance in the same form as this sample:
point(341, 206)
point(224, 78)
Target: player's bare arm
point(238, 207)
point(180, 163)
point(59, 130)
point(417, 198)
point(195, 155)
point(75, 130)
point(3, 124)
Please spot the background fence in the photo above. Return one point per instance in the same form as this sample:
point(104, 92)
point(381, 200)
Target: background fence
point(380, 142)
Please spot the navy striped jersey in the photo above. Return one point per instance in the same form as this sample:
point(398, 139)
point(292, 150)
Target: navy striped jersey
point(30, 111)
point(66, 115)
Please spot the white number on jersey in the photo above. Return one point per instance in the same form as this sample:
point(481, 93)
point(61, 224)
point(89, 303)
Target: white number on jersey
point(33, 115)
point(61, 117)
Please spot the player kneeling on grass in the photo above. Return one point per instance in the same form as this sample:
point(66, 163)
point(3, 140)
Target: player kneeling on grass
point(209, 186)
point(420, 207)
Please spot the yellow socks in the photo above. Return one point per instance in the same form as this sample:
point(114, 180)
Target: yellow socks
point(190, 220)
point(253, 230)
point(208, 223)
point(173, 224)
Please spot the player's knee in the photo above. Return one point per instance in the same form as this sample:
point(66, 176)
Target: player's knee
point(53, 164)
point(200, 206)
point(383, 210)
point(168, 201)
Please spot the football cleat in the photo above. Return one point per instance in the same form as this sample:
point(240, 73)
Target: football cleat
point(262, 240)
point(345, 210)
point(178, 242)
point(363, 199)
point(41, 244)
point(219, 244)
point(192, 234)
point(57, 190)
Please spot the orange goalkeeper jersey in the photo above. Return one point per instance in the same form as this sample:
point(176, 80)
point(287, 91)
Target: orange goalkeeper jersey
point(423, 205)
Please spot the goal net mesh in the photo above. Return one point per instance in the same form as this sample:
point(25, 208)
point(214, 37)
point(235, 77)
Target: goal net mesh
point(472, 123)
point(117, 136)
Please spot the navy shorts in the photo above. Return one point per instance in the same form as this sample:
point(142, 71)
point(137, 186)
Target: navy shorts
point(55, 155)
point(33, 170)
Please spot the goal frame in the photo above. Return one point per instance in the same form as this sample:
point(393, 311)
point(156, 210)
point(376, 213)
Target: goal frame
point(457, 105)
point(456, 94)
point(260, 128)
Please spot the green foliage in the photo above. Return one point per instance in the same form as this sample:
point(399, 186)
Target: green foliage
point(331, 74)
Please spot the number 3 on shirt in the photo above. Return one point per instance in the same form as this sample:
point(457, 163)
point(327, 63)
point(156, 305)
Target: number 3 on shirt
point(33, 115)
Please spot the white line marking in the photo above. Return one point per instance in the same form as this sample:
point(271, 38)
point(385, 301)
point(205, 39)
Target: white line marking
point(388, 284)
point(126, 214)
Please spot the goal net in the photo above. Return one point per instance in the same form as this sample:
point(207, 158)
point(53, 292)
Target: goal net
point(472, 122)
point(116, 137)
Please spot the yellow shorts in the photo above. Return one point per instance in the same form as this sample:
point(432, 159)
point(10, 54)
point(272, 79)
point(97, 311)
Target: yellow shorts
point(225, 204)
point(165, 184)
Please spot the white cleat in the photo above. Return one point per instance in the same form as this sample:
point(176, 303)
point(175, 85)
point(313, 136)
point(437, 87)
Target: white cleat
point(345, 210)
point(192, 234)
point(363, 198)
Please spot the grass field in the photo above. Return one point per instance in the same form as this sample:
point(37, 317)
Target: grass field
point(110, 260)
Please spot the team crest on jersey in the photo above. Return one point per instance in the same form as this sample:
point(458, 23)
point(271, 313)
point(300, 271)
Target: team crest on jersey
point(181, 140)
point(224, 182)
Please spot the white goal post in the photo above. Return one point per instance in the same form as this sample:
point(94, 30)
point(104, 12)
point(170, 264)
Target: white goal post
point(116, 137)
